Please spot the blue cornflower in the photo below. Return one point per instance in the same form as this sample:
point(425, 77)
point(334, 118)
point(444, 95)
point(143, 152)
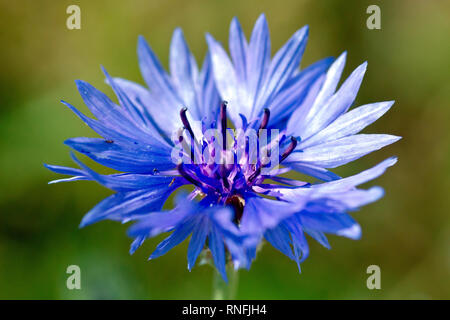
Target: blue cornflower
point(240, 199)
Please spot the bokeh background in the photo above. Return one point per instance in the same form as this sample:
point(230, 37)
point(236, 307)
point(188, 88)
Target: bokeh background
point(407, 233)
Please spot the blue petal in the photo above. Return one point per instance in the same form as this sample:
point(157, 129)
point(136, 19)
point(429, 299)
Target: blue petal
point(296, 89)
point(154, 75)
point(354, 199)
point(342, 190)
point(339, 103)
point(177, 236)
point(338, 223)
point(132, 109)
point(197, 241)
point(123, 158)
point(311, 170)
point(136, 138)
point(284, 63)
point(349, 123)
point(209, 106)
point(217, 248)
point(65, 170)
point(341, 151)
point(238, 49)
point(332, 79)
point(360, 178)
point(225, 79)
point(258, 58)
point(261, 214)
point(299, 243)
point(124, 206)
point(155, 223)
point(182, 69)
point(318, 236)
point(105, 110)
point(136, 244)
point(279, 238)
point(162, 122)
point(304, 115)
point(128, 182)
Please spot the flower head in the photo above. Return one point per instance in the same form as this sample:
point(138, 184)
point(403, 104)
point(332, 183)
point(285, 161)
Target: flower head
point(178, 133)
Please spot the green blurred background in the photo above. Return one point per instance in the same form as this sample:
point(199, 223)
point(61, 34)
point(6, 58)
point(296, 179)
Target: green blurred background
point(407, 233)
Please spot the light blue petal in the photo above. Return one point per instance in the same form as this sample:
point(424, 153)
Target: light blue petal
point(357, 179)
point(332, 79)
point(349, 123)
point(305, 115)
point(182, 71)
point(108, 113)
point(65, 170)
point(319, 236)
point(132, 109)
point(283, 64)
point(311, 170)
point(210, 104)
point(338, 152)
point(225, 79)
point(338, 104)
point(340, 224)
point(238, 49)
point(136, 244)
point(299, 243)
point(162, 122)
point(258, 58)
point(296, 89)
point(261, 214)
point(154, 75)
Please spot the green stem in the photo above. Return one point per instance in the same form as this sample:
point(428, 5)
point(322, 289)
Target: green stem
point(223, 290)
